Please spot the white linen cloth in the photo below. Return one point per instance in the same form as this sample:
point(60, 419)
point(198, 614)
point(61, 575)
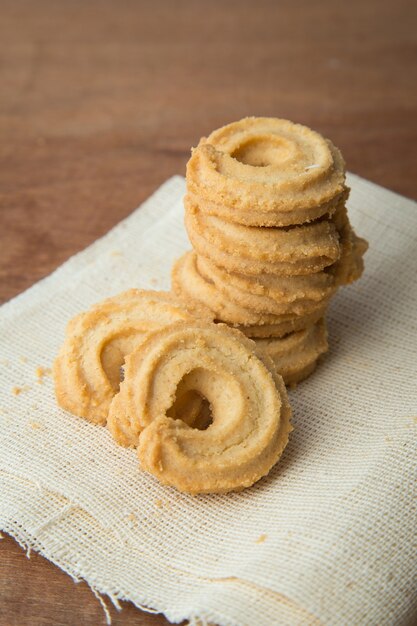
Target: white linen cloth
point(329, 537)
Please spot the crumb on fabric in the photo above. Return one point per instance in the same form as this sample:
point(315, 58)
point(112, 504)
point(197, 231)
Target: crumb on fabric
point(159, 504)
point(41, 372)
point(116, 253)
point(23, 359)
point(35, 425)
point(261, 538)
point(16, 391)
point(132, 518)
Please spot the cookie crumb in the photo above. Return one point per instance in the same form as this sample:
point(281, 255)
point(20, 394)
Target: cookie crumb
point(261, 538)
point(132, 518)
point(23, 359)
point(16, 391)
point(159, 504)
point(116, 253)
point(41, 372)
point(35, 425)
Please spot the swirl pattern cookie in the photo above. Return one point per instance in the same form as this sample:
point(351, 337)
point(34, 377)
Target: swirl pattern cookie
point(250, 411)
point(188, 283)
point(270, 293)
point(295, 356)
point(253, 250)
point(87, 369)
point(266, 172)
point(279, 330)
point(276, 294)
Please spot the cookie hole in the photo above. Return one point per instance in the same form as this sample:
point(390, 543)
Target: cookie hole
point(205, 416)
point(262, 151)
point(112, 362)
point(193, 409)
point(113, 355)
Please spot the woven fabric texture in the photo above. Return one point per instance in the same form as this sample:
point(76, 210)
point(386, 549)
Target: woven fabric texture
point(329, 537)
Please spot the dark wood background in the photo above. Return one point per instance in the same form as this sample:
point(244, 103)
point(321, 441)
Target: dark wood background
point(100, 102)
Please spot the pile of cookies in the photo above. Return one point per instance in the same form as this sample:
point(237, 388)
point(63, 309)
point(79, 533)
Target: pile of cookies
point(203, 404)
point(173, 358)
point(265, 211)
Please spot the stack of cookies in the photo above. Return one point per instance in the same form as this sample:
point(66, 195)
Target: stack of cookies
point(265, 212)
point(203, 405)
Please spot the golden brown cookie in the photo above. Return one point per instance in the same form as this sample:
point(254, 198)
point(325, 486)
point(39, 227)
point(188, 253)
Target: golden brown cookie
point(270, 293)
point(188, 283)
point(266, 172)
point(87, 369)
point(250, 411)
point(295, 355)
point(293, 250)
point(275, 294)
point(266, 331)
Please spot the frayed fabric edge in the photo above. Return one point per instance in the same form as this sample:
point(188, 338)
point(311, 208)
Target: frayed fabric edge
point(28, 543)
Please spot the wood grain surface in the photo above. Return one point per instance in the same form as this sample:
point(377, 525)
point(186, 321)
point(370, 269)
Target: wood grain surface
point(100, 103)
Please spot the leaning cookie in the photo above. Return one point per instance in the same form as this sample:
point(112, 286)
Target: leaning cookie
point(292, 325)
point(189, 284)
point(87, 369)
point(266, 172)
point(295, 356)
point(250, 410)
point(270, 293)
point(290, 251)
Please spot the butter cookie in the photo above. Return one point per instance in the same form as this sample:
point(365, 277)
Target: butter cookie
point(266, 172)
point(249, 406)
point(87, 368)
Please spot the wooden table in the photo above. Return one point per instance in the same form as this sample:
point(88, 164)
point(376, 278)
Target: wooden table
point(100, 103)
